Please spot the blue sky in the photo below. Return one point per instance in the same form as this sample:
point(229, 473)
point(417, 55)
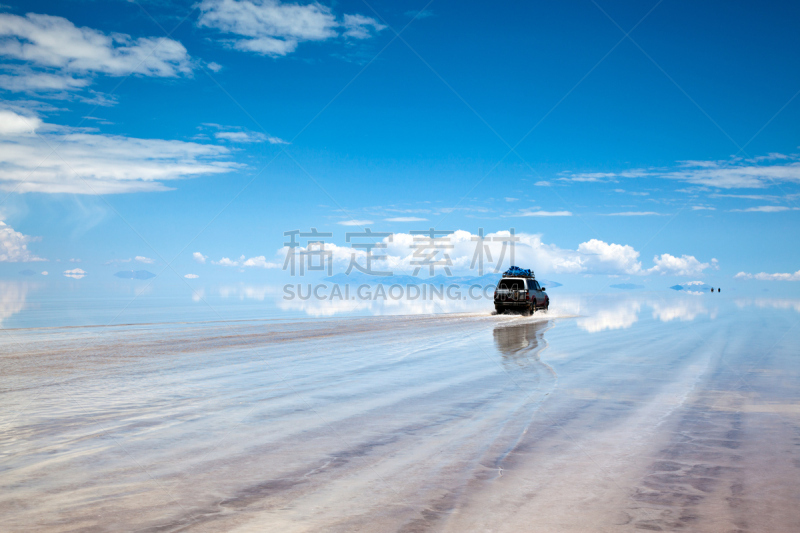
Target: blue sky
point(649, 141)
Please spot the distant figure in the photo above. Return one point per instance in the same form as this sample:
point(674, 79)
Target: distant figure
point(712, 289)
point(718, 289)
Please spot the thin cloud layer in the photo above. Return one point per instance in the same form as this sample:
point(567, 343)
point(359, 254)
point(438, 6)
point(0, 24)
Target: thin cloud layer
point(90, 163)
point(763, 276)
point(55, 55)
point(270, 27)
point(735, 173)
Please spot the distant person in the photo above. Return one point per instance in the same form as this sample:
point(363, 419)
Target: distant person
point(712, 289)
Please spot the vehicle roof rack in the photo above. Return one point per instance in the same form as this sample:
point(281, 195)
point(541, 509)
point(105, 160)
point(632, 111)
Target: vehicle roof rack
point(517, 272)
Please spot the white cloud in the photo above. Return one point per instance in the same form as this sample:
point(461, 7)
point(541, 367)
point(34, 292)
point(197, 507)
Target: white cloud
point(541, 213)
point(191, 276)
point(591, 257)
point(75, 273)
point(240, 136)
point(13, 124)
point(14, 246)
point(226, 261)
point(358, 26)
point(703, 208)
point(754, 173)
point(44, 272)
point(634, 214)
point(87, 163)
point(542, 184)
point(509, 199)
point(736, 173)
point(355, 222)
point(602, 257)
point(766, 209)
point(245, 137)
point(260, 262)
point(406, 219)
point(763, 276)
point(145, 260)
point(200, 258)
point(270, 27)
point(26, 79)
point(686, 265)
point(48, 42)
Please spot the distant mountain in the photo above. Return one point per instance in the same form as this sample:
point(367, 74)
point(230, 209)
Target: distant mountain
point(27, 272)
point(695, 286)
point(356, 278)
point(138, 274)
point(629, 286)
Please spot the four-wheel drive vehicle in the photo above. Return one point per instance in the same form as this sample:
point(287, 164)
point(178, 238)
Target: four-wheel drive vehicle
point(520, 294)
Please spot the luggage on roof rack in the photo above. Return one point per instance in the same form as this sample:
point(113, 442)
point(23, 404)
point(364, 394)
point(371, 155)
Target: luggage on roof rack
point(517, 272)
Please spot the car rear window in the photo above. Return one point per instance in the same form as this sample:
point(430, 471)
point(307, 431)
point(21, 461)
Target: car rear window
point(511, 284)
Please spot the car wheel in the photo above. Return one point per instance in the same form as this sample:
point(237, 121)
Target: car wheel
point(531, 308)
point(498, 309)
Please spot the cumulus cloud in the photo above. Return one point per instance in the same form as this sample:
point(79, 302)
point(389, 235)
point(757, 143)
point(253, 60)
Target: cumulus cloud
point(89, 163)
point(260, 262)
point(14, 246)
point(143, 259)
point(227, 261)
point(591, 257)
point(75, 273)
point(191, 276)
point(200, 258)
point(257, 262)
point(686, 265)
point(763, 276)
point(270, 27)
point(14, 124)
point(57, 55)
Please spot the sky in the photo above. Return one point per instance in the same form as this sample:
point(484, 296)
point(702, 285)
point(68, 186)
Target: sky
point(650, 142)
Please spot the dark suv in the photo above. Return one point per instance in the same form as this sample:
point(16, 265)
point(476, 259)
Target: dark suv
point(520, 294)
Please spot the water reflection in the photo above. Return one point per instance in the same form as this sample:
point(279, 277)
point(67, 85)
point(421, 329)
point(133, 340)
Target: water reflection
point(12, 298)
point(602, 313)
point(620, 315)
point(773, 303)
point(520, 344)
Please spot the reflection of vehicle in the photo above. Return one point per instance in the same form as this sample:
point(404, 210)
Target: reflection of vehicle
point(519, 290)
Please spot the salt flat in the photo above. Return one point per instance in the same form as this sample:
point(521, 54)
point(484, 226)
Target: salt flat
point(677, 413)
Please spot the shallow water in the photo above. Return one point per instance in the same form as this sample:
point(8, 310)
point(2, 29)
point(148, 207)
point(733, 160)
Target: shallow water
point(654, 412)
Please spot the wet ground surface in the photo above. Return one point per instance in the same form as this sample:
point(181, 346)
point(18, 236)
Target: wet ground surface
point(647, 414)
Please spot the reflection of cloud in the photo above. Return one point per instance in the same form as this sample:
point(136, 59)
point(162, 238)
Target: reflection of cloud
point(620, 316)
point(774, 303)
point(249, 292)
point(683, 310)
point(12, 298)
point(75, 273)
